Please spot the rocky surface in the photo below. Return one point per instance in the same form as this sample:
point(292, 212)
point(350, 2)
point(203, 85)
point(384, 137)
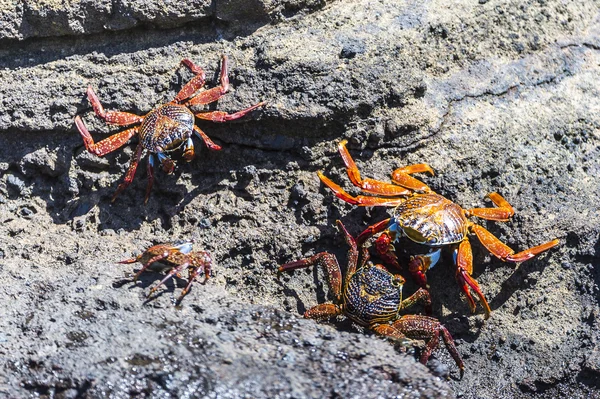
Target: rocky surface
point(494, 95)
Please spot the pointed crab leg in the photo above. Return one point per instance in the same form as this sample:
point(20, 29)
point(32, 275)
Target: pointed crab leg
point(360, 200)
point(371, 186)
point(352, 251)
point(328, 262)
point(130, 172)
point(114, 117)
point(209, 143)
point(502, 213)
point(323, 311)
point(211, 95)
point(401, 176)
point(194, 84)
point(221, 116)
point(175, 271)
point(107, 145)
point(421, 327)
point(503, 251)
point(464, 269)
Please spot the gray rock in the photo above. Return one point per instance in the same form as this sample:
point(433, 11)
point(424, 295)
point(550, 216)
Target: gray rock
point(495, 96)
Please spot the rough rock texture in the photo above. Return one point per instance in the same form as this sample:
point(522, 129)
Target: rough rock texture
point(494, 95)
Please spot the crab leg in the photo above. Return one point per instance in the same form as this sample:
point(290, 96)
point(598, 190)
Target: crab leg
point(328, 262)
point(502, 213)
point(215, 93)
point(401, 176)
point(464, 269)
point(192, 276)
point(107, 145)
point(369, 185)
point(194, 84)
point(428, 329)
point(146, 265)
point(420, 264)
point(150, 173)
point(130, 172)
point(114, 117)
point(323, 311)
point(421, 296)
point(221, 116)
point(503, 251)
point(360, 200)
point(372, 230)
point(352, 251)
point(209, 143)
point(176, 270)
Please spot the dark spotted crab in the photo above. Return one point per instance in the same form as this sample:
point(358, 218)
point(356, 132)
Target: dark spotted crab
point(165, 128)
point(177, 258)
point(372, 297)
point(430, 219)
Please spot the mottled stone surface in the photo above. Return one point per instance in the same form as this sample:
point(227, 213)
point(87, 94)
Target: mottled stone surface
point(494, 95)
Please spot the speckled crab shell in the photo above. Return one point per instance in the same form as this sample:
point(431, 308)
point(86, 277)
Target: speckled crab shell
point(430, 219)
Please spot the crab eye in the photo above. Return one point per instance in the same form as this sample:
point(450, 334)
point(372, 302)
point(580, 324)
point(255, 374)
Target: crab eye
point(397, 281)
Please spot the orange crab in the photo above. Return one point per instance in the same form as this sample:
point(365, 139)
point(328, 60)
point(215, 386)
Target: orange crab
point(430, 219)
point(165, 128)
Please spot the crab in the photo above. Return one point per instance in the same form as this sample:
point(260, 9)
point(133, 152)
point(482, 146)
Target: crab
point(165, 128)
point(177, 258)
point(432, 220)
point(371, 296)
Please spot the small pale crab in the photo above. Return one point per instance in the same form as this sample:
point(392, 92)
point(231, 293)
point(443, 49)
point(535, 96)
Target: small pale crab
point(432, 220)
point(165, 128)
point(177, 258)
point(372, 297)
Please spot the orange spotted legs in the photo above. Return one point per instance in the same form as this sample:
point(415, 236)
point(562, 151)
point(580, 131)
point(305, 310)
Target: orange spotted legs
point(503, 251)
point(130, 172)
point(107, 145)
point(114, 117)
point(425, 328)
point(400, 176)
point(360, 200)
point(201, 264)
point(194, 84)
point(334, 274)
point(211, 95)
point(464, 269)
point(155, 258)
point(209, 143)
point(502, 213)
point(221, 116)
point(174, 271)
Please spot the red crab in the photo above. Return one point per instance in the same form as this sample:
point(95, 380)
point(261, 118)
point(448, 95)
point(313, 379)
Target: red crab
point(428, 218)
point(372, 297)
point(174, 257)
point(165, 128)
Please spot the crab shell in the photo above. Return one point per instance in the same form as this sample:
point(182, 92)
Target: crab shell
point(166, 128)
point(429, 219)
point(373, 295)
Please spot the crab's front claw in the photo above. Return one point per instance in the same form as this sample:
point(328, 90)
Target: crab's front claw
point(466, 281)
point(166, 163)
point(385, 249)
point(417, 266)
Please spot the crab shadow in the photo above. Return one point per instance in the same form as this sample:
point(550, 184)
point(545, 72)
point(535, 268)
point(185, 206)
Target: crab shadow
point(149, 279)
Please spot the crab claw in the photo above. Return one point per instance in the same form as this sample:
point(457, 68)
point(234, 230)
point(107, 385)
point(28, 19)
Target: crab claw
point(166, 163)
point(417, 266)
